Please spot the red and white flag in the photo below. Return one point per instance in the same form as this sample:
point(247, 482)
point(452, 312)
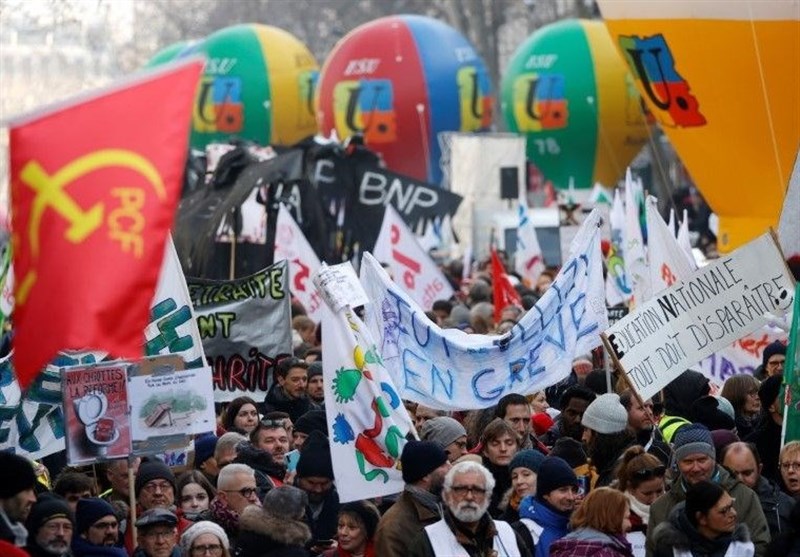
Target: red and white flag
point(668, 262)
point(528, 259)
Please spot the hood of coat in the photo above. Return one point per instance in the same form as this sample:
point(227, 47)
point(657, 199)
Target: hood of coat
point(678, 532)
point(283, 530)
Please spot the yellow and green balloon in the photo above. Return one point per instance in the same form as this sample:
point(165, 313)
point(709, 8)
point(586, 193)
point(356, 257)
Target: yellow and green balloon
point(569, 91)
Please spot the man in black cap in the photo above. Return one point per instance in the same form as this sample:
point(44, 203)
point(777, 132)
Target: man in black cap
point(772, 361)
point(158, 534)
point(315, 477)
point(96, 530)
point(313, 420)
point(315, 387)
point(49, 525)
point(424, 465)
point(16, 497)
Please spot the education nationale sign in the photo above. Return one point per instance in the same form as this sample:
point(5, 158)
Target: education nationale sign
point(694, 318)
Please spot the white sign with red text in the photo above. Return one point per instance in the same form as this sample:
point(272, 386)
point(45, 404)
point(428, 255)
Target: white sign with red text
point(411, 267)
point(292, 245)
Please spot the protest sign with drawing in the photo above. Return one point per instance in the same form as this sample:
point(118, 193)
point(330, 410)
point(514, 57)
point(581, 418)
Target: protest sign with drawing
point(694, 318)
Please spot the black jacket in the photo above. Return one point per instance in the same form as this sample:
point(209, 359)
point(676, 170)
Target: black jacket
point(277, 399)
point(324, 527)
point(678, 533)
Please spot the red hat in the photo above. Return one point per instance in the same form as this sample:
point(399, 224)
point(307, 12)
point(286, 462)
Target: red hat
point(541, 423)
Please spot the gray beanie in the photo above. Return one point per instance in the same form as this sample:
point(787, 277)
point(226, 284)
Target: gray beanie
point(725, 405)
point(198, 529)
point(693, 439)
point(442, 430)
point(606, 414)
point(285, 501)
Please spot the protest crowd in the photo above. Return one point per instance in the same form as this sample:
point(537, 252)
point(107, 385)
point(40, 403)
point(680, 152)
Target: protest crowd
point(573, 470)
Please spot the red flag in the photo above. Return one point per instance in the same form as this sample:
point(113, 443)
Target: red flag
point(504, 292)
point(94, 188)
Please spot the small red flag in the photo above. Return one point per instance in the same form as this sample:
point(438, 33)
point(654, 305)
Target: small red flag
point(504, 292)
point(94, 189)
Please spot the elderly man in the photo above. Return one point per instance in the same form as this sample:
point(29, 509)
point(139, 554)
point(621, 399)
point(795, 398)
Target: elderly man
point(236, 489)
point(158, 534)
point(695, 457)
point(49, 525)
point(116, 476)
point(743, 461)
point(96, 529)
point(16, 497)
point(466, 527)
point(424, 465)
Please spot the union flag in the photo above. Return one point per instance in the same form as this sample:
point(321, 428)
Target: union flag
point(95, 184)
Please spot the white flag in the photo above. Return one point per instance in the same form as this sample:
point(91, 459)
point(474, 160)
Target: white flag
point(292, 245)
point(684, 242)
point(618, 284)
point(635, 255)
point(528, 259)
point(412, 268)
point(668, 262)
point(789, 225)
point(367, 420)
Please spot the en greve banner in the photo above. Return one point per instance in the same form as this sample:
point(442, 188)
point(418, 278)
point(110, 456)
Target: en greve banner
point(367, 421)
point(696, 317)
point(413, 269)
point(449, 369)
point(245, 326)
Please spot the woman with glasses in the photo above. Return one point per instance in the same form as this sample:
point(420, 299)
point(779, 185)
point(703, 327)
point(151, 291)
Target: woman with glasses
point(195, 493)
point(706, 524)
point(640, 477)
point(741, 391)
point(205, 539)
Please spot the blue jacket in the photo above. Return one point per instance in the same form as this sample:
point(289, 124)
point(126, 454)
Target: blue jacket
point(555, 524)
point(82, 548)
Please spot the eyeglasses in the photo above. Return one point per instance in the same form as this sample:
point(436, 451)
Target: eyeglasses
point(464, 489)
point(246, 492)
point(727, 509)
point(110, 525)
point(154, 534)
point(152, 487)
point(790, 466)
point(203, 549)
point(647, 473)
point(776, 363)
point(272, 424)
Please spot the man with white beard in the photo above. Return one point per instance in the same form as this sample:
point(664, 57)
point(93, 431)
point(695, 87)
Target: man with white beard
point(467, 528)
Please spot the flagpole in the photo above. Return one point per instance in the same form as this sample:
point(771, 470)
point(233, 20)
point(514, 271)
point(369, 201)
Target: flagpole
point(132, 500)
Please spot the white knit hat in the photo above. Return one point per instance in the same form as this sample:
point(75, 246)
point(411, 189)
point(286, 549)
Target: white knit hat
point(606, 414)
point(198, 529)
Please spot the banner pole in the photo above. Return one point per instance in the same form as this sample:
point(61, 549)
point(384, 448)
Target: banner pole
point(132, 501)
point(618, 364)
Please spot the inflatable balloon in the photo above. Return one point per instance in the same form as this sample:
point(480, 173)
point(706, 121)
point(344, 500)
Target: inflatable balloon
point(723, 80)
point(400, 81)
point(569, 92)
point(168, 54)
point(258, 84)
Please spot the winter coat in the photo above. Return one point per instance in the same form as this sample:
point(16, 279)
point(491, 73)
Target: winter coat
point(776, 506)
point(588, 542)
point(502, 483)
point(401, 524)
point(554, 525)
point(176, 552)
point(677, 536)
point(278, 400)
point(339, 552)
point(324, 526)
point(267, 471)
point(264, 535)
point(481, 543)
point(748, 509)
point(767, 439)
point(82, 548)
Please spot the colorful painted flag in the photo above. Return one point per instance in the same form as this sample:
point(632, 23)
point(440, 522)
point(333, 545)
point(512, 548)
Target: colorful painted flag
point(668, 262)
point(94, 188)
point(291, 244)
point(791, 377)
point(618, 285)
point(504, 293)
point(367, 421)
point(413, 269)
point(528, 259)
point(635, 255)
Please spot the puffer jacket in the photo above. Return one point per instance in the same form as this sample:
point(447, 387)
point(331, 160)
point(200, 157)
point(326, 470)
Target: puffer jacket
point(678, 538)
point(588, 542)
point(554, 525)
point(747, 505)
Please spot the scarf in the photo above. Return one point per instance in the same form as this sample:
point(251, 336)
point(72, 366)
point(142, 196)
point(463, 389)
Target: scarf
point(424, 498)
point(223, 515)
point(639, 509)
point(17, 528)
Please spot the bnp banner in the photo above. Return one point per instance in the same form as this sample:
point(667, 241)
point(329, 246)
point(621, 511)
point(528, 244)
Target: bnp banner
point(367, 421)
point(722, 302)
point(245, 326)
point(448, 369)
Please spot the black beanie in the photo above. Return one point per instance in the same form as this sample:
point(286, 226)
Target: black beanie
point(773, 348)
point(88, 511)
point(314, 369)
point(553, 474)
point(315, 457)
point(47, 507)
point(705, 410)
point(769, 390)
point(18, 475)
point(700, 498)
point(571, 451)
point(153, 470)
point(313, 420)
point(420, 458)
point(366, 512)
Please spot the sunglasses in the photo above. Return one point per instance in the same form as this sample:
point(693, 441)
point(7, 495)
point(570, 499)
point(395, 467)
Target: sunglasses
point(647, 473)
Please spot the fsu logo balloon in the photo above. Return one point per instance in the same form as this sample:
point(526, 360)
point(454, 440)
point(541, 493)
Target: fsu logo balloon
point(569, 92)
point(399, 81)
point(723, 80)
point(258, 84)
